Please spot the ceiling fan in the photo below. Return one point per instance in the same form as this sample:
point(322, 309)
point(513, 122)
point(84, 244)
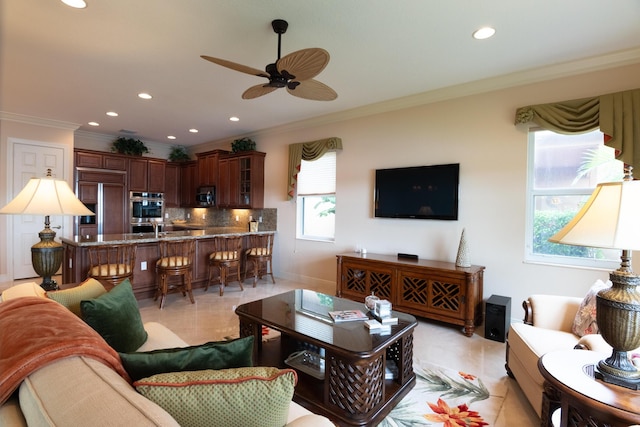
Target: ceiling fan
point(294, 71)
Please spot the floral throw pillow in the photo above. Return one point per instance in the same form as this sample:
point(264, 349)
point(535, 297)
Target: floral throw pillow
point(585, 320)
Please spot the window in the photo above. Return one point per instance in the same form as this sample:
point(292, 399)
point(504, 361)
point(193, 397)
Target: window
point(317, 198)
point(563, 170)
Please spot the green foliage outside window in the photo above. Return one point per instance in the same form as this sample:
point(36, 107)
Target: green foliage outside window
point(545, 225)
point(328, 210)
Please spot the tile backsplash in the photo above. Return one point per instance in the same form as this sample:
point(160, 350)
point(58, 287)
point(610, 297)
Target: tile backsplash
point(214, 217)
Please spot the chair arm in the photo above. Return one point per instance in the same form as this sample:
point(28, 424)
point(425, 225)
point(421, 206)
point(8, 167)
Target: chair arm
point(594, 342)
point(552, 311)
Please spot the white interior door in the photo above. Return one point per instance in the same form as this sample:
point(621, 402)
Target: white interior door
point(31, 159)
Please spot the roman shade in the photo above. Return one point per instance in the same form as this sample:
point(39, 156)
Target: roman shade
point(616, 114)
point(307, 151)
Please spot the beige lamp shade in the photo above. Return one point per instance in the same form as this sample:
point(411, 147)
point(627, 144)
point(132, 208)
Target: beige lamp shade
point(609, 219)
point(46, 196)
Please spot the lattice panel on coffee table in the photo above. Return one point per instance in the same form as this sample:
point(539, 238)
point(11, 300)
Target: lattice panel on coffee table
point(357, 387)
point(401, 352)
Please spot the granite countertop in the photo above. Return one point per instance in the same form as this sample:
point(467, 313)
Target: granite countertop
point(201, 233)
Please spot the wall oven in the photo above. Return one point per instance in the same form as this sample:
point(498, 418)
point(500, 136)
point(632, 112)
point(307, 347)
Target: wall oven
point(145, 208)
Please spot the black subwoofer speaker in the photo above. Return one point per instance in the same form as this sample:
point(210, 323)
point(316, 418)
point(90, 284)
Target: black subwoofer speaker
point(497, 318)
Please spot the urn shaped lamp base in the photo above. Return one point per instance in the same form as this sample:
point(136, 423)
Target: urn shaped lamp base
point(618, 318)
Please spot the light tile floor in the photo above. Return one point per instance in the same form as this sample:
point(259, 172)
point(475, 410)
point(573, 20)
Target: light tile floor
point(212, 318)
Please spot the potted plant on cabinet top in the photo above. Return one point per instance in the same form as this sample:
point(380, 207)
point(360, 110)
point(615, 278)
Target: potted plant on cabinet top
point(129, 146)
point(243, 144)
point(179, 154)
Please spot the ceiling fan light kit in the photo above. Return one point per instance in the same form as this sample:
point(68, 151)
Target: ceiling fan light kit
point(295, 71)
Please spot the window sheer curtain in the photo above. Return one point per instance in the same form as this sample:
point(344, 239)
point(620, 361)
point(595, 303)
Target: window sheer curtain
point(307, 151)
point(616, 114)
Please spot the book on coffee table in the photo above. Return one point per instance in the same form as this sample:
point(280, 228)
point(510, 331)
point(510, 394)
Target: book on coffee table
point(347, 315)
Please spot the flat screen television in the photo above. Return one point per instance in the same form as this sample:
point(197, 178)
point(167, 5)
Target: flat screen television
point(421, 192)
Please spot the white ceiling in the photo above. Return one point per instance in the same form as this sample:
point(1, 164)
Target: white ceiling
point(73, 66)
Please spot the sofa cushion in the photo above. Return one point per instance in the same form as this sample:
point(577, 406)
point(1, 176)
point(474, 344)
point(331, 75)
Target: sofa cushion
point(71, 297)
point(28, 289)
point(224, 397)
point(212, 355)
point(585, 321)
point(80, 391)
point(115, 316)
point(159, 337)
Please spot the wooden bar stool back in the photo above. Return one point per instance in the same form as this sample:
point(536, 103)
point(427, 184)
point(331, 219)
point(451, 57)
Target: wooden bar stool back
point(225, 257)
point(176, 259)
point(259, 254)
point(111, 264)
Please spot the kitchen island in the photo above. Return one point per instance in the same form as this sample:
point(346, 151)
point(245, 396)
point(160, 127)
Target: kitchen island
point(76, 258)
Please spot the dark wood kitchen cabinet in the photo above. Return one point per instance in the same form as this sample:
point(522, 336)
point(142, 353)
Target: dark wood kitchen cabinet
point(105, 193)
point(99, 160)
point(241, 180)
point(147, 175)
point(208, 167)
point(172, 185)
point(188, 183)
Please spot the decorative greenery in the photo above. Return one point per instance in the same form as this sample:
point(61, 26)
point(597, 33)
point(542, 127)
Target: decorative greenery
point(548, 223)
point(243, 144)
point(130, 146)
point(178, 154)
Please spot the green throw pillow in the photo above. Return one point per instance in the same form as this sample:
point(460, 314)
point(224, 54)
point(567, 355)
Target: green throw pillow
point(71, 297)
point(115, 316)
point(243, 397)
point(212, 355)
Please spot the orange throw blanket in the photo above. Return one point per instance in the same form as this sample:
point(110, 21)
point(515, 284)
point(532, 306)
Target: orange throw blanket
point(37, 331)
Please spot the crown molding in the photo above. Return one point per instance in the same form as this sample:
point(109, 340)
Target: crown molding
point(520, 78)
point(38, 121)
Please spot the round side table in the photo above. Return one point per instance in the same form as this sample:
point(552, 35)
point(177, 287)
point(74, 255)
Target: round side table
point(584, 401)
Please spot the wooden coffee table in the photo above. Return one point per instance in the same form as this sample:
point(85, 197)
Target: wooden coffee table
point(570, 384)
point(345, 372)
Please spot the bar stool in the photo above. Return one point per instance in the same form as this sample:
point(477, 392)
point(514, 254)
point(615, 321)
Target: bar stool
point(225, 257)
point(259, 253)
point(176, 259)
point(111, 264)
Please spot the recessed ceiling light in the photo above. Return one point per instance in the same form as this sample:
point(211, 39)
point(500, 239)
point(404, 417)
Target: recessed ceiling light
point(144, 95)
point(93, 124)
point(78, 4)
point(112, 114)
point(234, 119)
point(171, 137)
point(192, 130)
point(484, 33)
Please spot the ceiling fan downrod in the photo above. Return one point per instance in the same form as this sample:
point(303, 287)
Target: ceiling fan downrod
point(279, 27)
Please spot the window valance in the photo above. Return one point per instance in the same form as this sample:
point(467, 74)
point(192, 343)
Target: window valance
point(616, 114)
point(307, 151)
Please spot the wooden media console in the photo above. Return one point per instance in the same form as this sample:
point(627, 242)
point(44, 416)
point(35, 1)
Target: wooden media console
point(432, 289)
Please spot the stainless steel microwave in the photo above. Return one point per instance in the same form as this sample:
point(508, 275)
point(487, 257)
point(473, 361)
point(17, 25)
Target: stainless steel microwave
point(206, 196)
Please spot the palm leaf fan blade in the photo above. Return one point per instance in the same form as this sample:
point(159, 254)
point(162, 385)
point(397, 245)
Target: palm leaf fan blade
point(234, 66)
point(257, 90)
point(314, 90)
point(304, 64)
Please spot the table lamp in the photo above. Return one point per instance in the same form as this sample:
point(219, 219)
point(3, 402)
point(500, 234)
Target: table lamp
point(611, 219)
point(46, 196)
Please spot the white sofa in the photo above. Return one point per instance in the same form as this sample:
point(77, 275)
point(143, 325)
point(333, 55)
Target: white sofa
point(81, 391)
point(547, 327)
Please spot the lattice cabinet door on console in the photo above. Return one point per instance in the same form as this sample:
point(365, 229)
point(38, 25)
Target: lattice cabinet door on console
point(362, 279)
point(440, 295)
point(431, 289)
